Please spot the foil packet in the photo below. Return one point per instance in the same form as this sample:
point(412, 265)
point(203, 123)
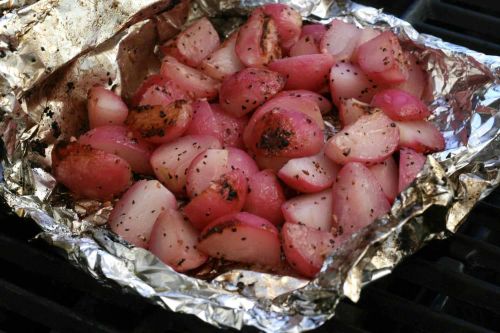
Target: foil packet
point(52, 51)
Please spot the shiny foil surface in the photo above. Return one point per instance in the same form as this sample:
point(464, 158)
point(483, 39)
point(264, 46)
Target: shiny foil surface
point(52, 51)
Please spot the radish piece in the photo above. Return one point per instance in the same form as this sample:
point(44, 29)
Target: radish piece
point(239, 159)
point(351, 110)
point(309, 174)
point(323, 103)
point(230, 128)
point(224, 196)
point(151, 80)
point(382, 59)
point(242, 237)
point(223, 62)
point(305, 45)
point(316, 31)
point(340, 40)
point(206, 168)
point(246, 90)
point(194, 82)
point(365, 35)
point(410, 164)
point(349, 81)
point(90, 173)
point(174, 240)
point(272, 163)
point(306, 248)
point(386, 173)
point(162, 94)
point(171, 160)
point(118, 140)
point(135, 213)
point(257, 43)
point(204, 121)
point(288, 22)
point(312, 210)
point(420, 135)
point(317, 67)
point(372, 138)
point(105, 107)
point(160, 123)
point(286, 133)
point(415, 84)
point(400, 105)
point(357, 199)
point(265, 196)
point(195, 43)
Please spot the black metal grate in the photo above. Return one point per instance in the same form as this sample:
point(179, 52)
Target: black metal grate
point(449, 286)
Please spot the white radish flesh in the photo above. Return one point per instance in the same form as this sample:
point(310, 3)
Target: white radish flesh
point(387, 174)
point(105, 108)
point(410, 164)
point(224, 61)
point(312, 210)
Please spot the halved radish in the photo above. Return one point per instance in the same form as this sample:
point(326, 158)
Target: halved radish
point(357, 199)
point(119, 141)
point(420, 135)
point(348, 81)
point(242, 237)
point(400, 105)
point(305, 45)
point(246, 90)
point(317, 67)
point(286, 133)
point(416, 82)
point(372, 138)
point(387, 173)
point(193, 44)
point(383, 60)
point(231, 128)
point(265, 196)
point(160, 123)
point(163, 94)
point(365, 35)
point(105, 107)
point(323, 103)
point(410, 164)
point(151, 80)
point(351, 110)
point(194, 82)
point(316, 31)
point(312, 210)
point(206, 168)
point(223, 62)
point(170, 161)
point(306, 248)
point(340, 40)
point(135, 213)
point(258, 43)
point(239, 159)
point(288, 22)
point(174, 240)
point(309, 174)
point(272, 163)
point(90, 173)
point(224, 196)
point(204, 121)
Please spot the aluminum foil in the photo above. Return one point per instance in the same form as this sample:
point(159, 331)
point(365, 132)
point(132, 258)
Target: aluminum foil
point(52, 51)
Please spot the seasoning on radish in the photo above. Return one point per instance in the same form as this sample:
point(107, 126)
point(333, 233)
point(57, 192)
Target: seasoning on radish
point(410, 164)
point(224, 61)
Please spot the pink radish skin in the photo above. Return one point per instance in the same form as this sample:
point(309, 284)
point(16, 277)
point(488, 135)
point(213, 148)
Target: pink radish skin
point(400, 105)
point(171, 161)
point(386, 173)
point(174, 240)
point(316, 31)
point(349, 81)
point(239, 159)
point(272, 163)
point(195, 83)
point(383, 60)
point(223, 62)
point(288, 23)
point(305, 45)
point(372, 138)
point(351, 110)
point(317, 67)
point(136, 212)
point(242, 237)
point(284, 133)
point(417, 80)
point(265, 196)
point(312, 210)
point(365, 35)
point(194, 44)
point(151, 80)
point(410, 164)
point(206, 168)
point(422, 136)
point(224, 196)
point(323, 103)
point(246, 90)
point(105, 108)
point(357, 199)
point(119, 141)
point(230, 128)
point(258, 43)
point(90, 173)
point(204, 121)
point(340, 40)
point(158, 123)
point(306, 248)
point(309, 174)
point(162, 94)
